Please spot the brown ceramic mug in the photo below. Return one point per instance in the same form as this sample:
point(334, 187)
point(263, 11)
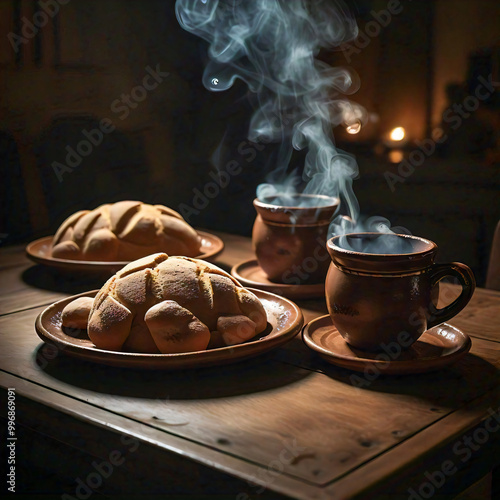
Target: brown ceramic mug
point(377, 296)
point(289, 240)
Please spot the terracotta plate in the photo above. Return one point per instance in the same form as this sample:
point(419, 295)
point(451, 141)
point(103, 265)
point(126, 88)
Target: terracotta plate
point(437, 347)
point(284, 322)
point(249, 273)
point(39, 251)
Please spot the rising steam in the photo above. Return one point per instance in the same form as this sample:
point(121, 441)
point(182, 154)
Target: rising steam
point(273, 46)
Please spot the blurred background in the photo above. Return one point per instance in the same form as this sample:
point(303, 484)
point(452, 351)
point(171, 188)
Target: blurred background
point(103, 100)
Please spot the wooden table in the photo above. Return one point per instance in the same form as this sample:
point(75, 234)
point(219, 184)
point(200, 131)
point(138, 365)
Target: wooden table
point(285, 424)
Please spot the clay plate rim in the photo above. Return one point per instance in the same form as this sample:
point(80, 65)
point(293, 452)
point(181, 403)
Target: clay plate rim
point(39, 252)
point(286, 321)
point(420, 365)
point(241, 270)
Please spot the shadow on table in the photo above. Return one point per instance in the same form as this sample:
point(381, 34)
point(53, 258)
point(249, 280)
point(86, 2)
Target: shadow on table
point(54, 280)
point(468, 378)
point(457, 383)
point(245, 377)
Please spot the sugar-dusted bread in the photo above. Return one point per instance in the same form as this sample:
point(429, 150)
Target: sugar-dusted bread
point(162, 304)
point(124, 231)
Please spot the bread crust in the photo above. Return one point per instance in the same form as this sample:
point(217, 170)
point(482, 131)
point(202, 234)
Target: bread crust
point(124, 231)
point(162, 304)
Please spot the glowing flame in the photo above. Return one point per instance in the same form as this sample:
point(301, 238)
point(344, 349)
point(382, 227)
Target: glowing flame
point(397, 134)
point(396, 156)
point(354, 128)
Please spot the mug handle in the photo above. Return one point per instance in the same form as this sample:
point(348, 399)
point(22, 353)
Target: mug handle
point(465, 277)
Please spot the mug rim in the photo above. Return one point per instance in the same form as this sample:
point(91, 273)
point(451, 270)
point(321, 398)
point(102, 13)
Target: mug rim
point(383, 263)
point(298, 216)
point(335, 201)
point(430, 245)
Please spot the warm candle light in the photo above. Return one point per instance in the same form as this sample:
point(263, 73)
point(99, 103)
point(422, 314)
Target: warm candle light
point(397, 134)
point(354, 128)
point(396, 156)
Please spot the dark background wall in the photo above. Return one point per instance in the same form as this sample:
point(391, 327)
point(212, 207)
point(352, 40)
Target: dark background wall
point(66, 76)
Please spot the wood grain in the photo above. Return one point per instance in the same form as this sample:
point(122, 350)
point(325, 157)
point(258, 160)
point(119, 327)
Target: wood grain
point(481, 318)
point(347, 439)
point(96, 431)
point(265, 406)
point(27, 285)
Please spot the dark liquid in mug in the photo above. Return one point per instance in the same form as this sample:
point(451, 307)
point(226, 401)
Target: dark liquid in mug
point(299, 201)
point(380, 244)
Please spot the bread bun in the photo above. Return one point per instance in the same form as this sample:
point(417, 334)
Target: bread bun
point(162, 304)
point(76, 313)
point(124, 231)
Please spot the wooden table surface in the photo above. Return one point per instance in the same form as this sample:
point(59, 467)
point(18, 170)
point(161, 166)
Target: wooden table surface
point(284, 424)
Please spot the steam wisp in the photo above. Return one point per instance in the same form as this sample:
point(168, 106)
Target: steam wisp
point(384, 242)
point(273, 45)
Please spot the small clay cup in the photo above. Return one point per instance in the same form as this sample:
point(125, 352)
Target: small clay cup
point(379, 301)
point(290, 241)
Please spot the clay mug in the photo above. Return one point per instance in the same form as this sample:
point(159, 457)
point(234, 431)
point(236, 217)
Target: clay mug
point(289, 240)
point(377, 296)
